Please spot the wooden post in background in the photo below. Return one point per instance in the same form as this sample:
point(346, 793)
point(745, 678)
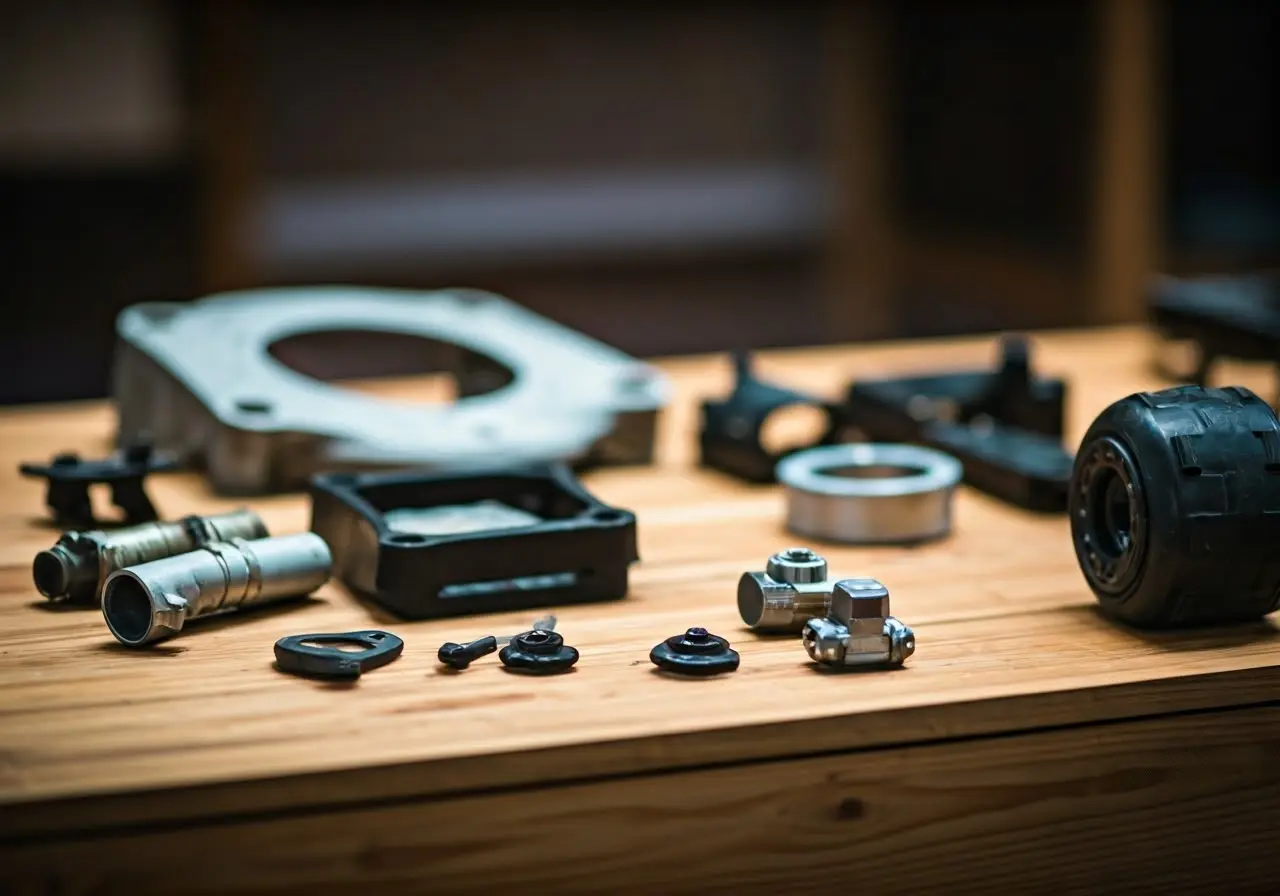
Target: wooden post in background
point(226, 145)
point(1127, 214)
point(857, 299)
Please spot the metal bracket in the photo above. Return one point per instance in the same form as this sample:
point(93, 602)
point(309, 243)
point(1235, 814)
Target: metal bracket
point(198, 379)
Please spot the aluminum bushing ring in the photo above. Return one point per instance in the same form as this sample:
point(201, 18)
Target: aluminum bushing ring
point(870, 494)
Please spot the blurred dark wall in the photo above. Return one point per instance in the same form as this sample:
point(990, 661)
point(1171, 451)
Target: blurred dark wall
point(663, 178)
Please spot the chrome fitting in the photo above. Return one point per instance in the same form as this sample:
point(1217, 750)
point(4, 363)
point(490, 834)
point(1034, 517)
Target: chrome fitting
point(152, 601)
point(869, 494)
point(858, 630)
point(792, 589)
point(75, 568)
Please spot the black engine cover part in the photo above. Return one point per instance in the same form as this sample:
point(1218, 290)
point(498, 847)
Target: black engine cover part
point(430, 544)
point(730, 438)
point(1175, 507)
point(1004, 425)
point(1227, 317)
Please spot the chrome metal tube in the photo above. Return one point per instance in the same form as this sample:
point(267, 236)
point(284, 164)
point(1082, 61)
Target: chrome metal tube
point(75, 568)
point(147, 603)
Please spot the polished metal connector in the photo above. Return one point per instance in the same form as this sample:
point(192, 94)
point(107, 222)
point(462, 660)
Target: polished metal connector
point(792, 590)
point(153, 601)
point(76, 567)
point(858, 631)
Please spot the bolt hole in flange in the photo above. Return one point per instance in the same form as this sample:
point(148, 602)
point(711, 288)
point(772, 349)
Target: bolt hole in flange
point(364, 361)
point(253, 406)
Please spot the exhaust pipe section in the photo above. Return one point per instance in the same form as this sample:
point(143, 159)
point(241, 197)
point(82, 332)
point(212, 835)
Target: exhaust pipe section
point(152, 601)
point(75, 568)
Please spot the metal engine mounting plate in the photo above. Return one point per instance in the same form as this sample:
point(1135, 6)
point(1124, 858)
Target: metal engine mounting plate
point(198, 380)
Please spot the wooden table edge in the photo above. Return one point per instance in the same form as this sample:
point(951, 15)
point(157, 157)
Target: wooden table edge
point(89, 815)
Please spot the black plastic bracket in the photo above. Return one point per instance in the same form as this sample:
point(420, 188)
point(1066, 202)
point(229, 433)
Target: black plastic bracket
point(1227, 317)
point(1004, 425)
point(308, 655)
point(730, 437)
point(69, 478)
point(485, 541)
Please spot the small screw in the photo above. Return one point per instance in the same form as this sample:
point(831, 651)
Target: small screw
point(459, 656)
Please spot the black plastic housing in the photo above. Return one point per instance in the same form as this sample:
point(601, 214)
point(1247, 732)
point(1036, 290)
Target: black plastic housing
point(1175, 507)
point(729, 440)
point(1227, 317)
point(1004, 425)
point(579, 551)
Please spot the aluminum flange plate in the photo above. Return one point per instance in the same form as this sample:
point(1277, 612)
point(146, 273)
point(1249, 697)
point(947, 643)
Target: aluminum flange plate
point(198, 380)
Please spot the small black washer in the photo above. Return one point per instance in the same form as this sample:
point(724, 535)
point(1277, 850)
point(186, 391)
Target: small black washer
point(696, 652)
point(538, 652)
point(298, 654)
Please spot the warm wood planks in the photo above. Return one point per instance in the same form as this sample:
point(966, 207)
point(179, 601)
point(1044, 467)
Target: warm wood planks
point(203, 726)
point(1173, 805)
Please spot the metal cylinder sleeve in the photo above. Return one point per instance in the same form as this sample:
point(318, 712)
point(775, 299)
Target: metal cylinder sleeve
point(792, 589)
point(75, 568)
point(870, 494)
point(1175, 507)
point(146, 603)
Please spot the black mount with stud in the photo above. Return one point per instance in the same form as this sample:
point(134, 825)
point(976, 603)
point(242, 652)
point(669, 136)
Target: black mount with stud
point(696, 652)
point(70, 476)
point(1004, 425)
point(730, 439)
point(538, 652)
point(308, 655)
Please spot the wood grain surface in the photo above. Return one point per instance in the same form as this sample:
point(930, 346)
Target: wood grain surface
point(202, 729)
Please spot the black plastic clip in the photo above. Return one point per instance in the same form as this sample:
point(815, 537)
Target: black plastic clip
point(304, 655)
point(69, 478)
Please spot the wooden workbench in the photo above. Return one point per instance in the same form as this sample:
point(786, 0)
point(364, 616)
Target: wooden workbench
point(1029, 744)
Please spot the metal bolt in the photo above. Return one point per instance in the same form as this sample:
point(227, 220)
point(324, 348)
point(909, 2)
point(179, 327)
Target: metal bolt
point(459, 656)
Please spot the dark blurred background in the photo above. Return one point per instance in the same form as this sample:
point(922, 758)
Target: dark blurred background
point(669, 179)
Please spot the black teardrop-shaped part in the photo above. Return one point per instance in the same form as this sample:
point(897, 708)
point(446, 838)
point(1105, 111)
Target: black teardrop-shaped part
point(308, 655)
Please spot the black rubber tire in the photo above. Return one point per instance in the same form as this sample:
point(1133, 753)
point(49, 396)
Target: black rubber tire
point(1175, 508)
